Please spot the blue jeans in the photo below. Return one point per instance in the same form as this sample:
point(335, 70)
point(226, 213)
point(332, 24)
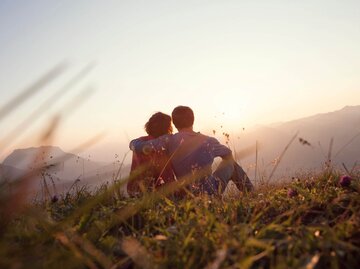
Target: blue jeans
point(226, 171)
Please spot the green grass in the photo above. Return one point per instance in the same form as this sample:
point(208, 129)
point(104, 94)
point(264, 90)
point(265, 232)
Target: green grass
point(317, 228)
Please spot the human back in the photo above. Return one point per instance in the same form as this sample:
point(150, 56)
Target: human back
point(193, 151)
point(189, 151)
point(149, 171)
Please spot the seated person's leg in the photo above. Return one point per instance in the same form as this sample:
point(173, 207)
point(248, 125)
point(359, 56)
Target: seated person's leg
point(230, 170)
point(224, 173)
point(240, 178)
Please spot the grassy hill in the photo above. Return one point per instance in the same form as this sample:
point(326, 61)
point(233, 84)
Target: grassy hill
point(311, 222)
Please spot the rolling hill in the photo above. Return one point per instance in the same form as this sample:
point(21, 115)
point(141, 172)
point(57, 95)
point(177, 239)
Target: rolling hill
point(312, 146)
point(63, 168)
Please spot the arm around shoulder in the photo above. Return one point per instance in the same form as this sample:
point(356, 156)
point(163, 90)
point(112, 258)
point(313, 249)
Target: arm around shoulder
point(137, 145)
point(146, 147)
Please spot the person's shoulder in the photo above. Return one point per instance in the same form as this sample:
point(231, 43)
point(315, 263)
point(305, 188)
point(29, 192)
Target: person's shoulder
point(149, 137)
point(166, 136)
point(178, 135)
point(145, 138)
point(211, 139)
point(189, 135)
point(207, 139)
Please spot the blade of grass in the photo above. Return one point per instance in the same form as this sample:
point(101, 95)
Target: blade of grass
point(138, 253)
point(11, 137)
point(28, 92)
point(64, 240)
point(330, 151)
point(16, 200)
point(347, 144)
point(282, 155)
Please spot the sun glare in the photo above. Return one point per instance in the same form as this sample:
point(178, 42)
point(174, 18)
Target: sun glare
point(230, 109)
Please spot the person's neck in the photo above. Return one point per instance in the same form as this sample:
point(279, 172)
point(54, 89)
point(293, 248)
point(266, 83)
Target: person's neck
point(187, 130)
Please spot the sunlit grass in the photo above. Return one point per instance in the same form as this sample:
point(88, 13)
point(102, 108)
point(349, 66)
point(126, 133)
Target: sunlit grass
point(319, 226)
point(311, 222)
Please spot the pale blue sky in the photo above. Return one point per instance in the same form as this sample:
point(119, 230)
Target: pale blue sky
point(256, 61)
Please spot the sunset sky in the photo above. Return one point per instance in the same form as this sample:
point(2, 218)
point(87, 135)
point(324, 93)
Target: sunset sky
point(236, 63)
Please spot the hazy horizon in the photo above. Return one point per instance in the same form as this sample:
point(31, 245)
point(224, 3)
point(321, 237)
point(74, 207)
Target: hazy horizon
point(237, 64)
point(106, 151)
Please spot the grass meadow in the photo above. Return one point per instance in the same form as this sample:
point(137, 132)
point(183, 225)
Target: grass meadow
point(312, 221)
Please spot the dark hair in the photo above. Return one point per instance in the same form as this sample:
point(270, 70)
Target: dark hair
point(182, 117)
point(159, 124)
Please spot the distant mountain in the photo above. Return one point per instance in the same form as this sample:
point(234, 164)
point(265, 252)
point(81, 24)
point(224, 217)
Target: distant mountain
point(311, 148)
point(60, 167)
point(8, 173)
point(30, 158)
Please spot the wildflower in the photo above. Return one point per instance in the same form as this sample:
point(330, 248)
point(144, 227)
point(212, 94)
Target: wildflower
point(54, 199)
point(292, 193)
point(345, 181)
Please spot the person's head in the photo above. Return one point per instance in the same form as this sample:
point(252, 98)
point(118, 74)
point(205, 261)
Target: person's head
point(182, 117)
point(159, 124)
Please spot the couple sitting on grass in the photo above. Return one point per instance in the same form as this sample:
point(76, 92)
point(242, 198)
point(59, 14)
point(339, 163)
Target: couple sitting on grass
point(163, 157)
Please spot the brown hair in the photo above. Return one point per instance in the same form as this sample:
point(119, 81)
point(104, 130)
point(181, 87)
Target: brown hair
point(159, 124)
point(183, 117)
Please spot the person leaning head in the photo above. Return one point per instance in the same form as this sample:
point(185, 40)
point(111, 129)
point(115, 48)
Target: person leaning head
point(182, 117)
point(159, 124)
